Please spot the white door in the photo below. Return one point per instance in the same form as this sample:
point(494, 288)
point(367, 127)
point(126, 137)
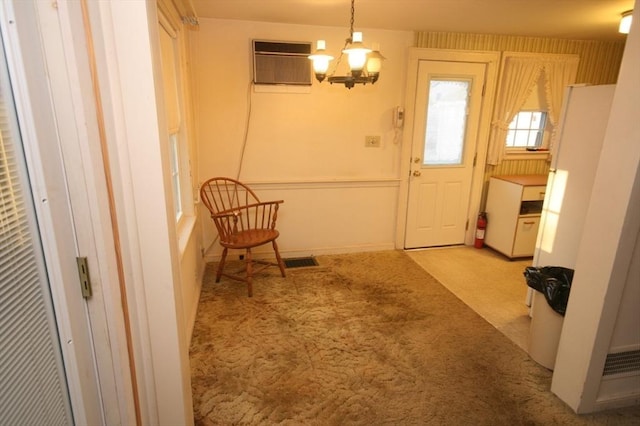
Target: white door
point(443, 149)
point(34, 385)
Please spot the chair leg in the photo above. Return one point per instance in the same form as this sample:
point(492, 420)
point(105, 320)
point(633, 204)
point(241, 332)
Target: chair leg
point(221, 265)
point(280, 262)
point(249, 273)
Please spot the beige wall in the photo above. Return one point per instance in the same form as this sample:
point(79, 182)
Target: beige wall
point(305, 148)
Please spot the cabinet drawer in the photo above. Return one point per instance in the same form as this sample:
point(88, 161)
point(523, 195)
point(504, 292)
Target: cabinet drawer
point(533, 193)
point(524, 243)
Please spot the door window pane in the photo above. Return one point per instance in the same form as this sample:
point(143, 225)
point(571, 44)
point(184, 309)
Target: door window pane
point(446, 122)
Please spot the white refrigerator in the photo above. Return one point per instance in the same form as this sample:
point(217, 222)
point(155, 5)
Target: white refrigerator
point(574, 160)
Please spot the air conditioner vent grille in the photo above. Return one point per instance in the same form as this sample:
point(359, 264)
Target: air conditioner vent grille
point(622, 362)
point(283, 63)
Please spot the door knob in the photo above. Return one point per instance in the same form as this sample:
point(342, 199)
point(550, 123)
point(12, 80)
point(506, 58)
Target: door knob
point(417, 173)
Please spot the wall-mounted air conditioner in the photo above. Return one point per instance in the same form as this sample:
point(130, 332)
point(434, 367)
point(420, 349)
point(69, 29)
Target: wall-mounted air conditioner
point(280, 62)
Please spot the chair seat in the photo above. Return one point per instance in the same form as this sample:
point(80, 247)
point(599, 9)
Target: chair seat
point(250, 238)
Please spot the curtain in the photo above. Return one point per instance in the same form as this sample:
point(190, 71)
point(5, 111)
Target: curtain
point(558, 73)
point(520, 74)
point(519, 77)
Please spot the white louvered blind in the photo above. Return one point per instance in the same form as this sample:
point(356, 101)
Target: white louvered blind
point(33, 389)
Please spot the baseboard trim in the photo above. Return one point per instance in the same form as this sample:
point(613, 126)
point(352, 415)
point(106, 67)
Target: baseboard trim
point(616, 402)
point(191, 321)
point(318, 251)
point(324, 184)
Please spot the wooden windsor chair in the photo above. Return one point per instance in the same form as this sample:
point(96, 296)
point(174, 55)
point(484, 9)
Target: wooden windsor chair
point(243, 222)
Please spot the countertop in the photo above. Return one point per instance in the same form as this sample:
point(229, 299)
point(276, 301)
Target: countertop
point(525, 180)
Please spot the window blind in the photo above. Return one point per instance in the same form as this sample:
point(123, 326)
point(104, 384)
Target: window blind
point(33, 390)
point(169, 78)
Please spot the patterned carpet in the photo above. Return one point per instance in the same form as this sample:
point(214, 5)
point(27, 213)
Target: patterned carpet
point(362, 339)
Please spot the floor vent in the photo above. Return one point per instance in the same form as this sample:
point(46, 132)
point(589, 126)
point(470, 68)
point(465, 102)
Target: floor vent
point(622, 362)
point(300, 262)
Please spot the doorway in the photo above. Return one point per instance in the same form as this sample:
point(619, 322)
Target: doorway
point(49, 128)
point(450, 98)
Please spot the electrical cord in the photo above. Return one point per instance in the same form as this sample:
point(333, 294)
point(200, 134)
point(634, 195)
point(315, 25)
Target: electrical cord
point(246, 129)
point(244, 147)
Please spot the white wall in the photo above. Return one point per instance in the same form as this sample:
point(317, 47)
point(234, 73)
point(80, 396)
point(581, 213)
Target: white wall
point(306, 148)
point(605, 262)
point(128, 69)
point(625, 386)
point(191, 274)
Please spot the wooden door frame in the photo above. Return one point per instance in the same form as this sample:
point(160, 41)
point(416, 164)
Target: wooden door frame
point(492, 61)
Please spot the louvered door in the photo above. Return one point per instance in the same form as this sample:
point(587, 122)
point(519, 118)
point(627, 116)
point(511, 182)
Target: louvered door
point(34, 389)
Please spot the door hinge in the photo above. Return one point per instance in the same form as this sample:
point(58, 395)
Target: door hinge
point(475, 159)
point(83, 273)
point(466, 226)
point(484, 86)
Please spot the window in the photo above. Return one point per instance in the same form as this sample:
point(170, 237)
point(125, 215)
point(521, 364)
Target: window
point(170, 46)
point(446, 122)
point(527, 130)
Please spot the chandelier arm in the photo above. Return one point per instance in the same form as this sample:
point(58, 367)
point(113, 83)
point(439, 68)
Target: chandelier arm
point(337, 64)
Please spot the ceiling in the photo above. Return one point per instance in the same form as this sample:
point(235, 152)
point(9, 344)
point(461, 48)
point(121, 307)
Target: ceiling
point(573, 19)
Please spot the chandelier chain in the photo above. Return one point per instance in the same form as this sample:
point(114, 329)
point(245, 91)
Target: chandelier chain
point(348, 40)
point(353, 11)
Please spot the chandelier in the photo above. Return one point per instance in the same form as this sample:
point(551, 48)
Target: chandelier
point(364, 63)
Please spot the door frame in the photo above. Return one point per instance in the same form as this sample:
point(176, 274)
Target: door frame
point(492, 62)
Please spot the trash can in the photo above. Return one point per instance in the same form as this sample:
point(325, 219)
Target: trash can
point(552, 285)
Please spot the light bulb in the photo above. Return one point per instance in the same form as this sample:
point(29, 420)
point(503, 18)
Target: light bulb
point(321, 65)
point(374, 59)
point(357, 59)
point(320, 60)
point(357, 53)
point(625, 22)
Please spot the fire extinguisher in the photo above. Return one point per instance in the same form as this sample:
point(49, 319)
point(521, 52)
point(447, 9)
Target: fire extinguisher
point(480, 228)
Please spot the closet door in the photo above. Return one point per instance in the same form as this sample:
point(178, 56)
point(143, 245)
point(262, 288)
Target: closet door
point(34, 389)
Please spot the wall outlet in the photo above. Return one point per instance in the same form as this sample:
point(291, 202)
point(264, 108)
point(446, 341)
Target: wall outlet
point(372, 141)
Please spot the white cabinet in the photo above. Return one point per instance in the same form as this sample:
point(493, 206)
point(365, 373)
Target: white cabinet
point(513, 211)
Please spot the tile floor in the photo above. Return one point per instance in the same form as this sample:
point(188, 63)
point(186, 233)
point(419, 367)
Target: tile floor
point(488, 282)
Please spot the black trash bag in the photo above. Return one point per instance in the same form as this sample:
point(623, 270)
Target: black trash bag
point(552, 281)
